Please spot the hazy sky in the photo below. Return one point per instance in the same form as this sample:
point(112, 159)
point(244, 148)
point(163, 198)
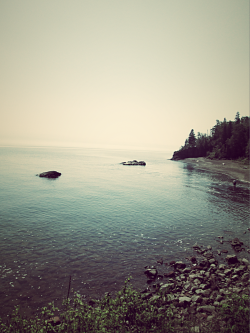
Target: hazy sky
point(138, 73)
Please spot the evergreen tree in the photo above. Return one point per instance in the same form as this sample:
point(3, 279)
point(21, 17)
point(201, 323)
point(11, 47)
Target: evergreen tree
point(192, 138)
point(228, 139)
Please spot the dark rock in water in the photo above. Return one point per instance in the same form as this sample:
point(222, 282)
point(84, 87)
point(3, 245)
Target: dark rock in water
point(50, 174)
point(232, 259)
point(134, 162)
point(151, 273)
point(171, 274)
point(236, 244)
point(179, 265)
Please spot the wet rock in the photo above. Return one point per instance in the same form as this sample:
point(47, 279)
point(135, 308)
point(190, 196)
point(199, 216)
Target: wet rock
point(227, 271)
point(160, 261)
point(222, 275)
point(232, 259)
point(224, 251)
point(184, 301)
point(151, 272)
point(134, 162)
point(219, 253)
point(212, 261)
point(209, 247)
point(219, 298)
point(204, 263)
point(186, 270)
point(206, 308)
point(196, 298)
point(196, 246)
point(208, 255)
point(236, 244)
point(245, 277)
point(54, 321)
point(171, 274)
point(234, 277)
point(222, 266)
point(245, 261)
point(167, 285)
point(179, 265)
point(240, 269)
point(49, 174)
point(172, 263)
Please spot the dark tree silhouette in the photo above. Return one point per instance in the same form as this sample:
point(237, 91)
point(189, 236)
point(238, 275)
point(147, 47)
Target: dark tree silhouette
point(228, 139)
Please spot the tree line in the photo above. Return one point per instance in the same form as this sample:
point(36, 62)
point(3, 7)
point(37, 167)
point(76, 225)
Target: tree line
point(227, 140)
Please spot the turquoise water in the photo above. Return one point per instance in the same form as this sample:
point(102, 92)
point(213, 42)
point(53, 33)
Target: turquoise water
point(101, 221)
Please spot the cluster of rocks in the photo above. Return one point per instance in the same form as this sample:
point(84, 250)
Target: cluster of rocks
point(134, 162)
point(198, 288)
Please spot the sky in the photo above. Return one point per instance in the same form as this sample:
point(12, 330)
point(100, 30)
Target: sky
point(120, 73)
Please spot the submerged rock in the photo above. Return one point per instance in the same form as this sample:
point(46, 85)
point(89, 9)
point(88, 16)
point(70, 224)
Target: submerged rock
point(134, 162)
point(50, 174)
point(236, 244)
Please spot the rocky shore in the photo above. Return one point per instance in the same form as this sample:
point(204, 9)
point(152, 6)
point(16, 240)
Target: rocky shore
point(231, 168)
point(193, 292)
point(200, 286)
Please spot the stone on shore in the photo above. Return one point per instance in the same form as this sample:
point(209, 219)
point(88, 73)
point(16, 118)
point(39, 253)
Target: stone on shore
point(232, 259)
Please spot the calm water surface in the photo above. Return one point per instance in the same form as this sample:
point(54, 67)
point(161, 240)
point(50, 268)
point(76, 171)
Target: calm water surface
point(101, 222)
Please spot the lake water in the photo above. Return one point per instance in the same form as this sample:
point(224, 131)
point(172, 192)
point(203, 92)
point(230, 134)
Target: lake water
point(101, 221)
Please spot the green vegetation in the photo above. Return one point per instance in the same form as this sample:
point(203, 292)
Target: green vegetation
point(227, 140)
point(131, 311)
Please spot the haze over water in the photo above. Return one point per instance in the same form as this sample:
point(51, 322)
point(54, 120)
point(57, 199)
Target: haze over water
point(101, 222)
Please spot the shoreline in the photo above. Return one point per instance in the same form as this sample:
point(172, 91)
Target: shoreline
point(233, 169)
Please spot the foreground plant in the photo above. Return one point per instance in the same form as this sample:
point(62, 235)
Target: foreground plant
point(130, 312)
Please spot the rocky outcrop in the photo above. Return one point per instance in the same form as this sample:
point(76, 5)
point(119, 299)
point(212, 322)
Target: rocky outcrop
point(134, 162)
point(50, 174)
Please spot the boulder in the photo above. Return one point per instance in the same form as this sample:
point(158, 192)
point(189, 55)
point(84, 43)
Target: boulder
point(236, 244)
point(206, 308)
point(232, 259)
point(50, 174)
point(179, 265)
point(151, 273)
point(134, 162)
point(171, 274)
point(184, 300)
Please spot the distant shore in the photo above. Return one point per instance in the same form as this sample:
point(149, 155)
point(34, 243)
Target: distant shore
point(231, 168)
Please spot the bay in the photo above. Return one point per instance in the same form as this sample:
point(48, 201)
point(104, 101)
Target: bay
point(101, 221)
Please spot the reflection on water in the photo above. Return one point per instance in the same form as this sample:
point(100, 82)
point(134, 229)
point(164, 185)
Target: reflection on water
point(101, 222)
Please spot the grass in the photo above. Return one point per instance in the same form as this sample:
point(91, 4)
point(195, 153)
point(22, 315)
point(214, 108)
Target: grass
point(130, 312)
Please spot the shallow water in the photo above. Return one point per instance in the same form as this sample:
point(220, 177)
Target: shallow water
point(101, 221)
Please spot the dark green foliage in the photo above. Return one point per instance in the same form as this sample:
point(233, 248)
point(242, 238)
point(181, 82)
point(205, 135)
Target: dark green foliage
point(228, 140)
point(236, 314)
